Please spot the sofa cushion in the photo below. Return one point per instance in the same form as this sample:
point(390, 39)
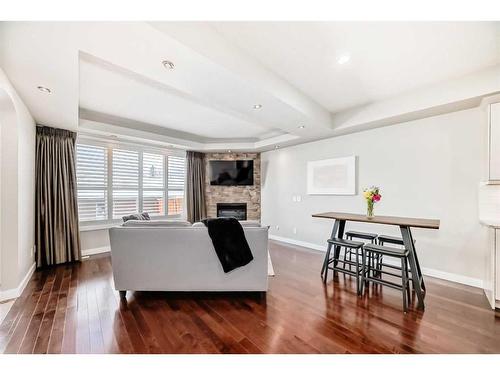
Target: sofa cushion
point(156, 223)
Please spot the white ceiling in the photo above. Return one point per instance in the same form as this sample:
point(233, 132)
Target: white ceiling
point(113, 92)
point(107, 77)
point(387, 58)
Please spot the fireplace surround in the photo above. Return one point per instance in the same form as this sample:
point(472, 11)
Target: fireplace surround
point(234, 194)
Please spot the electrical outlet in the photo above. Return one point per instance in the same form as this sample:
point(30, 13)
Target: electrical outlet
point(277, 227)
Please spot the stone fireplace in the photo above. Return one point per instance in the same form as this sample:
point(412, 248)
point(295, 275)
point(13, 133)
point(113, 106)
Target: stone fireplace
point(217, 195)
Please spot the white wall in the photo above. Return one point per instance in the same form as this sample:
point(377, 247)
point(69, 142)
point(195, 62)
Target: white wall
point(429, 168)
point(26, 136)
point(94, 241)
point(17, 192)
point(8, 180)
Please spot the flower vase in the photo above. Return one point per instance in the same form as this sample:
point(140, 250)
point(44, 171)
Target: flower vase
point(369, 209)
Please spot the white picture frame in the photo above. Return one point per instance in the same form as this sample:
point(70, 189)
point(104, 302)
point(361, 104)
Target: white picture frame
point(332, 176)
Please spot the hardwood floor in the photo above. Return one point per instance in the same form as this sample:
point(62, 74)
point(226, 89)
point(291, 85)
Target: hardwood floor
point(74, 309)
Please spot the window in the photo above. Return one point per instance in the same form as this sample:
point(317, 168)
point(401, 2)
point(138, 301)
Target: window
point(115, 180)
point(125, 174)
point(176, 172)
point(92, 182)
point(153, 182)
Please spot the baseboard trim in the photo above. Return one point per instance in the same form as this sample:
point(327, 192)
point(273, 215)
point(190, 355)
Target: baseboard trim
point(16, 292)
point(96, 250)
point(298, 243)
point(460, 279)
point(453, 277)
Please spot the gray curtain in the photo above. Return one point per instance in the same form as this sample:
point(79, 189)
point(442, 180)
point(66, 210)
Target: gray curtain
point(57, 234)
point(195, 187)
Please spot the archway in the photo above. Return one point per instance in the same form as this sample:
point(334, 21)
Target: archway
point(8, 171)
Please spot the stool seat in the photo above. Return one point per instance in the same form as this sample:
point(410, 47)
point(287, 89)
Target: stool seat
point(385, 250)
point(382, 238)
point(362, 235)
point(346, 243)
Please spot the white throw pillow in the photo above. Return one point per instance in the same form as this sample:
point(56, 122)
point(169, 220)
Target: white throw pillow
point(156, 223)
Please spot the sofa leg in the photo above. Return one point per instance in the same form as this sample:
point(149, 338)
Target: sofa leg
point(123, 294)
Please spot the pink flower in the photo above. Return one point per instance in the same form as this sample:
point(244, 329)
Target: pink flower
point(376, 197)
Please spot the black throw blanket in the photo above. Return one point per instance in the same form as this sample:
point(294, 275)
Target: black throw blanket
point(229, 242)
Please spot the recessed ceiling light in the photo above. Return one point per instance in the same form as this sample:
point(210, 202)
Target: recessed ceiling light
point(344, 58)
point(168, 64)
point(276, 147)
point(257, 106)
point(302, 126)
point(229, 151)
point(44, 89)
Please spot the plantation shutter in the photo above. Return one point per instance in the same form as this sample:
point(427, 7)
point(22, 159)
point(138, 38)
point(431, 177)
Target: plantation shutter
point(176, 177)
point(125, 182)
point(115, 180)
point(92, 182)
point(153, 182)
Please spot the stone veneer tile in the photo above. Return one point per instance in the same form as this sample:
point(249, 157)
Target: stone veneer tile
point(234, 194)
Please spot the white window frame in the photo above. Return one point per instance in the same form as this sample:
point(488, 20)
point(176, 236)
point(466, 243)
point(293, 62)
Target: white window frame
point(114, 145)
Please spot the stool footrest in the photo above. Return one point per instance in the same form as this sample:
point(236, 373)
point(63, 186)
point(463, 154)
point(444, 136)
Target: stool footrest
point(387, 273)
point(347, 271)
point(392, 266)
point(384, 282)
point(350, 262)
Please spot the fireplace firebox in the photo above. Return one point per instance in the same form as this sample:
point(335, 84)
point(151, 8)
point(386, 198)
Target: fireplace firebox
point(236, 210)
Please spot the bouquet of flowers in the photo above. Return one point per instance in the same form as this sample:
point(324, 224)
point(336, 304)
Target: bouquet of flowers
point(372, 195)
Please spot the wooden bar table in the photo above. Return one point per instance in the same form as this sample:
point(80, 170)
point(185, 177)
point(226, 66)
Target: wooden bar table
point(405, 224)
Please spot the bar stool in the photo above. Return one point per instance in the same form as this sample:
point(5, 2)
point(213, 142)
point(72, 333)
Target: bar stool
point(332, 264)
point(392, 252)
point(362, 236)
point(383, 239)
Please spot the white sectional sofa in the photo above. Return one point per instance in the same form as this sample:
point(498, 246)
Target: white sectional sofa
point(155, 256)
